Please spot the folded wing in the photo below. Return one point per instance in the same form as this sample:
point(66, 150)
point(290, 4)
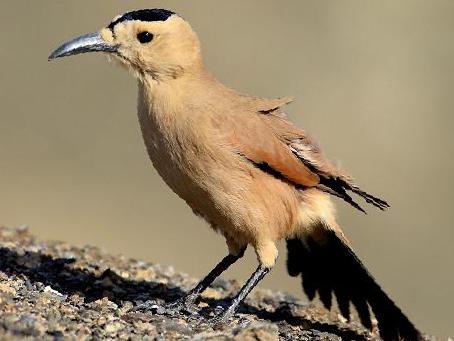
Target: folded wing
point(332, 179)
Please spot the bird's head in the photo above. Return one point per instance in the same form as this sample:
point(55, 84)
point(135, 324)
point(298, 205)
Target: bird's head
point(153, 42)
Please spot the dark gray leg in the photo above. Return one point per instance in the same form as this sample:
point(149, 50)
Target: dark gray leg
point(187, 301)
point(256, 277)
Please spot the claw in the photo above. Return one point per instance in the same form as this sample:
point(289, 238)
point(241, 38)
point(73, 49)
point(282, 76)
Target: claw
point(182, 305)
point(222, 318)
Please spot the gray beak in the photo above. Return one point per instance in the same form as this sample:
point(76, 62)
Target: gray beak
point(91, 42)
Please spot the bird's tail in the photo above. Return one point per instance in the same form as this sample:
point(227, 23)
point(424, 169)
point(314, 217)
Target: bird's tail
point(328, 266)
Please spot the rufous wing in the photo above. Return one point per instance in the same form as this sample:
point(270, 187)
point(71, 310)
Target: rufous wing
point(259, 145)
point(333, 179)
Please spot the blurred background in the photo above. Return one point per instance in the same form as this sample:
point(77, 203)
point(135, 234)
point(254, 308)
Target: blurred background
point(373, 82)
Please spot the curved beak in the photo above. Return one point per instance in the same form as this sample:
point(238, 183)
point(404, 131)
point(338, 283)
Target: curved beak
point(91, 42)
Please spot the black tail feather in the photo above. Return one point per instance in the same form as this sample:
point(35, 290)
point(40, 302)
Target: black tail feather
point(330, 267)
point(343, 302)
point(341, 193)
point(363, 311)
point(339, 187)
point(370, 199)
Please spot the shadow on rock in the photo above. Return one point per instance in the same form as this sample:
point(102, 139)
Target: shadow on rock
point(61, 275)
point(284, 315)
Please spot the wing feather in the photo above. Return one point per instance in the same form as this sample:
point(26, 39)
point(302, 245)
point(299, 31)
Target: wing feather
point(270, 151)
point(333, 179)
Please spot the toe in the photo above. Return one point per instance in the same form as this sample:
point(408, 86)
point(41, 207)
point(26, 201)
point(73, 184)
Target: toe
point(182, 305)
point(222, 318)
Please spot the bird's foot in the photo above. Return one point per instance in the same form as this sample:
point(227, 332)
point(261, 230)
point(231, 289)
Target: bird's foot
point(182, 305)
point(222, 316)
point(152, 307)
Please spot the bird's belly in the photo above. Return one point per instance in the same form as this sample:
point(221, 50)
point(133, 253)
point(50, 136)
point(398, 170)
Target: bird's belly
point(197, 191)
point(172, 164)
point(173, 173)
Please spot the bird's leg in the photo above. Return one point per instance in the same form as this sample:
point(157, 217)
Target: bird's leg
point(187, 301)
point(256, 277)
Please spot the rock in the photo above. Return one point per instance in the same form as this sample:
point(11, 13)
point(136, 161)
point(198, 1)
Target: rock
point(7, 289)
point(212, 294)
point(258, 332)
point(53, 291)
point(113, 327)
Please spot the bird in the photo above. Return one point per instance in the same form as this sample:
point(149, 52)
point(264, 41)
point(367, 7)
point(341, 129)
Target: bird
point(242, 165)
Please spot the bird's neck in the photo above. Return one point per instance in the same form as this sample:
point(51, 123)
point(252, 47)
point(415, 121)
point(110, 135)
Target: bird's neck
point(162, 97)
point(175, 96)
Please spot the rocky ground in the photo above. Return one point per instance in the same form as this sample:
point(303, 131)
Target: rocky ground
point(55, 291)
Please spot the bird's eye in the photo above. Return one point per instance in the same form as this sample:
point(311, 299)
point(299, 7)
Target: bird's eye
point(144, 37)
